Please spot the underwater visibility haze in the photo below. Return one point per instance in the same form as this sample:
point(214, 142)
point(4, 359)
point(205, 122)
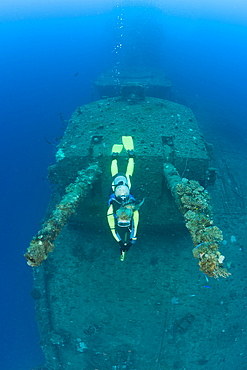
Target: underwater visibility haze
point(153, 91)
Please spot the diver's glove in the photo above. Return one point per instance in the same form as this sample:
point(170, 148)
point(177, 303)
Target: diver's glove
point(127, 246)
point(124, 247)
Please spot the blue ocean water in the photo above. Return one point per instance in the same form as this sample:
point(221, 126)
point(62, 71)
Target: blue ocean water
point(47, 68)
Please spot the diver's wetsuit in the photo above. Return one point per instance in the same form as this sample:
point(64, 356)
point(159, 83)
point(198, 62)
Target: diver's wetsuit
point(124, 235)
point(119, 233)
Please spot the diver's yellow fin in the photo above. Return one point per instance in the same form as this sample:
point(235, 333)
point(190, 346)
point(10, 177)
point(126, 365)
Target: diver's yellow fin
point(128, 142)
point(117, 148)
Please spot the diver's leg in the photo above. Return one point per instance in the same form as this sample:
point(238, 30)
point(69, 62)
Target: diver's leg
point(114, 167)
point(129, 146)
point(130, 170)
point(116, 149)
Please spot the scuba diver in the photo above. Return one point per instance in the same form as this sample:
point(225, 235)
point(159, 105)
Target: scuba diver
point(123, 214)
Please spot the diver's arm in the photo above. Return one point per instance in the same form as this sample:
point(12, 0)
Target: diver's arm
point(111, 223)
point(136, 222)
point(133, 233)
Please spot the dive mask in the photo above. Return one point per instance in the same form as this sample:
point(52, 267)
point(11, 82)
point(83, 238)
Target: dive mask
point(123, 223)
